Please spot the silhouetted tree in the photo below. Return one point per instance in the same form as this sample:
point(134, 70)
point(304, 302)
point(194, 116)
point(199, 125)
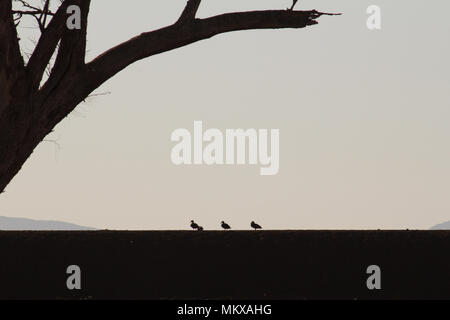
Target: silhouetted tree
point(32, 104)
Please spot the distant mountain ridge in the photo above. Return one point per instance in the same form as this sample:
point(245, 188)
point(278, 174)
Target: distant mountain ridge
point(24, 224)
point(441, 226)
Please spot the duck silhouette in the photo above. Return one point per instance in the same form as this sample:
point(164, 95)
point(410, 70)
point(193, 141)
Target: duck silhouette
point(194, 225)
point(255, 225)
point(226, 226)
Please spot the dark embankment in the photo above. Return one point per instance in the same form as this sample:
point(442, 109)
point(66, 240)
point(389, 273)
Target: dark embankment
point(225, 265)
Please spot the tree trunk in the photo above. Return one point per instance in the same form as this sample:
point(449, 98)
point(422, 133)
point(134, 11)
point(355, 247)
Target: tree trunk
point(30, 117)
point(19, 132)
point(17, 140)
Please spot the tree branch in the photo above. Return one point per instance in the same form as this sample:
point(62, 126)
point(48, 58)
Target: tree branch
point(45, 13)
point(9, 45)
point(11, 61)
point(74, 41)
point(178, 35)
point(75, 88)
point(189, 11)
point(46, 45)
point(72, 50)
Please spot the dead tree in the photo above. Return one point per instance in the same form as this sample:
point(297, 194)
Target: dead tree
point(32, 104)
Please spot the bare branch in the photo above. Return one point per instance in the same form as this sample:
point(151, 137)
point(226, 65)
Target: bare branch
point(73, 90)
point(70, 60)
point(39, 14)
point(178, 35)
point(189, 11)
point(31, 12)
point(11, 61)
point(45, 13)
point(46, 45)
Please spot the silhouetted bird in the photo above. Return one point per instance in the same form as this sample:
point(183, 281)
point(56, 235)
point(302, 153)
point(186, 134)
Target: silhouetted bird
point(194, 225)
point(200, 228)
point(225, 225)
point(293, 5)
point(255, 225)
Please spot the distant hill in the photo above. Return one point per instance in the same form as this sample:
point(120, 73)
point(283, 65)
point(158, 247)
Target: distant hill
point(441, 226)
point(18, 224)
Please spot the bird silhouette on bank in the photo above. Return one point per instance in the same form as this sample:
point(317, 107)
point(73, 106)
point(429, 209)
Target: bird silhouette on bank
point(255, 225)
point(200, 228)
point(194, 225)
point(226, 226)
point(293, 5)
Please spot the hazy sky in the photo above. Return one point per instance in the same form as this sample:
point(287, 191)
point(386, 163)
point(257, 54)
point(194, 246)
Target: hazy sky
point(363, 116)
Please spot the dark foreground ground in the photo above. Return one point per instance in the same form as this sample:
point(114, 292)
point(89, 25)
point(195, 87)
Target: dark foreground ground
point(225, 265)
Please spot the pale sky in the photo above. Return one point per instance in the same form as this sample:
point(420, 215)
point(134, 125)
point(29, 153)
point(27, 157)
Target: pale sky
point(363, 116)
